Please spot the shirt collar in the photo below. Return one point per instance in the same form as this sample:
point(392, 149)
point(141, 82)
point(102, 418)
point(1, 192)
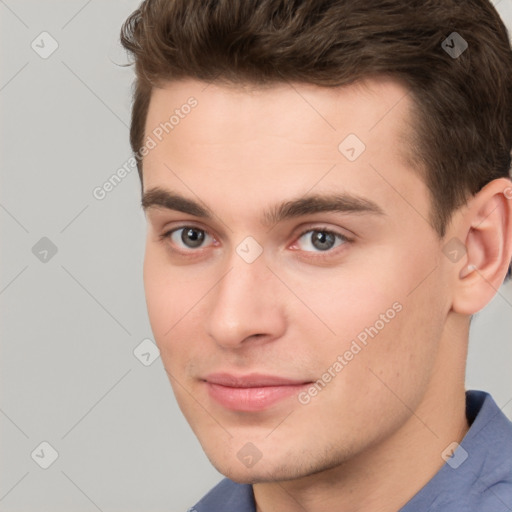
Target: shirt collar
point(480, 467)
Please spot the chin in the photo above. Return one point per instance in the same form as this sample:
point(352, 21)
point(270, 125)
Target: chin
point(264, 470)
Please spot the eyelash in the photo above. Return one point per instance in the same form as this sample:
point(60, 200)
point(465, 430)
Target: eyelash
point(165, 237)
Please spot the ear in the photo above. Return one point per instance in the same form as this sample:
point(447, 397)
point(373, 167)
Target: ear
point(485, 229)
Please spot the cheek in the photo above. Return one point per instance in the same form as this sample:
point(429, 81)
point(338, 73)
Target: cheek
point(170, 291)
point(173, 298)
point(387, 336)
point(167, 298)
point(158, 292)
point(343, 305)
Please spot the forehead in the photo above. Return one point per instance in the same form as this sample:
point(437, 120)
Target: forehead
point(300, 113)
point(266, 140)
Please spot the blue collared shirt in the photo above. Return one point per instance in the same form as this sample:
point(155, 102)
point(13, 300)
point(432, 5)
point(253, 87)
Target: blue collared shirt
point(476, 478)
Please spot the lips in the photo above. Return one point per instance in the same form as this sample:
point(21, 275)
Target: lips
point(253, 392)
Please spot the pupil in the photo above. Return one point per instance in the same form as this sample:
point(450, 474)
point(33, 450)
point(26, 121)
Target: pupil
point(323, 240)
point(192, 237)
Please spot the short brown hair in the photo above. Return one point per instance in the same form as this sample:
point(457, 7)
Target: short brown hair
point(463, 104)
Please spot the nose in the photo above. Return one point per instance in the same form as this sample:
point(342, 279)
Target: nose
point(246, 306)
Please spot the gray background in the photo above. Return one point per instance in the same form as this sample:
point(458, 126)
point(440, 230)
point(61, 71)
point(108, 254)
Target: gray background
point(72, 320)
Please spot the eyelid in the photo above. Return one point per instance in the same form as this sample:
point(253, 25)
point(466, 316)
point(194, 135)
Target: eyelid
point(325, 229)
point(171, 227)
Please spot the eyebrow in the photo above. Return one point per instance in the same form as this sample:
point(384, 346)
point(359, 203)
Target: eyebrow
point(158, 197)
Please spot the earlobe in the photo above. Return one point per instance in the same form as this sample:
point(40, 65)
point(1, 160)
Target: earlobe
point(486, 228)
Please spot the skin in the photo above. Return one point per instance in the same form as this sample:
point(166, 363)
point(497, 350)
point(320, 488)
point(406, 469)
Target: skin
point(374, 435)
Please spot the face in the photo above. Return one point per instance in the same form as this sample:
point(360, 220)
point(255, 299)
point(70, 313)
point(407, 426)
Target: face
point(293, 284)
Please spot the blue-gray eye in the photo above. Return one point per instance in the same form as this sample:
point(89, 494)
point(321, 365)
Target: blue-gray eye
point(321, 240)
point(189, 237)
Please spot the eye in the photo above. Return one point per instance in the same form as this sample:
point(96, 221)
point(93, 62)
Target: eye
point(187, 237)
point(320, 240)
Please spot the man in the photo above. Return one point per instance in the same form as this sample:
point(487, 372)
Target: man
point(328, 195)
